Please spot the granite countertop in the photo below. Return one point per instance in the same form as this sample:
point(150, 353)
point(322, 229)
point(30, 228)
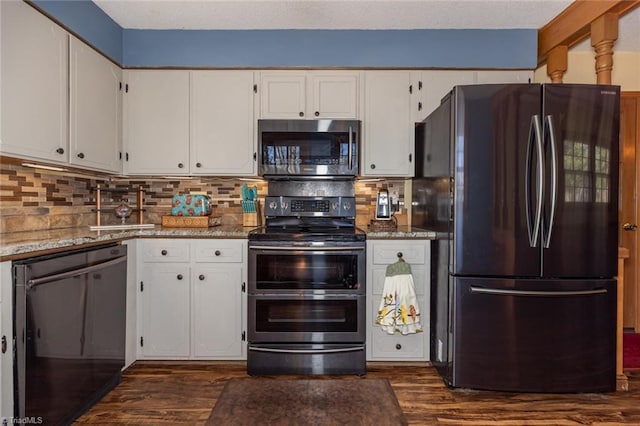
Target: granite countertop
point(19, 245)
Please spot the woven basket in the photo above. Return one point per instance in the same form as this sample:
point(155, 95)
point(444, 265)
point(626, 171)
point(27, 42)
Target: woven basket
point(383, 225)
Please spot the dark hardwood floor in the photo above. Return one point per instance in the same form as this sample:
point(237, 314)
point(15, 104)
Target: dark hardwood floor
point(168, 393)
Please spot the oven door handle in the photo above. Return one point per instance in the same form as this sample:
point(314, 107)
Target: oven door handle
point(308, 351)
point(76, 272)
point(299, 248)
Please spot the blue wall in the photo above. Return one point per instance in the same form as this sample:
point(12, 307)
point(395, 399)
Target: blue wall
point(513, 48)
point(89, 22)
point(332, 48)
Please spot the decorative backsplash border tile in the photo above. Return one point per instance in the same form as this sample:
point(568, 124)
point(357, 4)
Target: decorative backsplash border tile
point(36, 199)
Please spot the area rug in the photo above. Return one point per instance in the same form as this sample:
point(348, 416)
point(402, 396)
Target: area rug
point(268, 401)
point(631, 350)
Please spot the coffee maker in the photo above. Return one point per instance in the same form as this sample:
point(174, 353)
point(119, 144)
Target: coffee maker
point(383, 205)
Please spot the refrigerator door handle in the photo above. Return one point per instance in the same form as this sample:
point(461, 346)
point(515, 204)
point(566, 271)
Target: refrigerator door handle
point(493, 291)
point(554, 179)
point(533, 225)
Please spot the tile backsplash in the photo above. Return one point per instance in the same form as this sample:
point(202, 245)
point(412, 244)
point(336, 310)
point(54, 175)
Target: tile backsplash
point(36, 199)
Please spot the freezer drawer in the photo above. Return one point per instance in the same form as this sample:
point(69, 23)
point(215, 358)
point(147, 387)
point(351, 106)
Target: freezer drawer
point(534, 335)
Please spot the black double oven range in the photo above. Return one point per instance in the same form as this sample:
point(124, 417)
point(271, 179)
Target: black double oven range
point(306, 287)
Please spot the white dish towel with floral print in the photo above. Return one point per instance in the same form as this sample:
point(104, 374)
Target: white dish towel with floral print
point(399, 310)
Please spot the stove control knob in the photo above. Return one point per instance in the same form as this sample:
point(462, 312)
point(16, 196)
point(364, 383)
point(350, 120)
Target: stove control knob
point(334, 206)
point(273, 205)
point(347, 205)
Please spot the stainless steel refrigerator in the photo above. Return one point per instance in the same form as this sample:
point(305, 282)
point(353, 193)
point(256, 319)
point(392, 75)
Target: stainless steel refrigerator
point(520, 182)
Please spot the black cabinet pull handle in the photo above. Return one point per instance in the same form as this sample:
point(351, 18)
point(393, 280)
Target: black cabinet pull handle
point(163, 252)
point(80, 155)
point(217, 253)
point(201, 277)
point(4, 344)
point(179, 276)
point(60, 150)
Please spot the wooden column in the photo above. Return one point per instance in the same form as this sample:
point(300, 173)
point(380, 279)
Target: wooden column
point(557, 63)
point(622, 381)
point(604, 33)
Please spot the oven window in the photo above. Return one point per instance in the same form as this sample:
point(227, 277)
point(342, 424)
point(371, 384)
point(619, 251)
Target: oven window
point(306, 271)
point(306, 316)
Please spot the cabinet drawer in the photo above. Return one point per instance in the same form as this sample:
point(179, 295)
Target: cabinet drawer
point(226, 251)
point(165, 250)
point(396, 346)
point(385, 254)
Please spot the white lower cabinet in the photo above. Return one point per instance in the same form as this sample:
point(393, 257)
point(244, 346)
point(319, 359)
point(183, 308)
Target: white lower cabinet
point(192, 299)
point(382, 346)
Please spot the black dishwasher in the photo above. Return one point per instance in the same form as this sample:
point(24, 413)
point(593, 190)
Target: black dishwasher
point(69, 335)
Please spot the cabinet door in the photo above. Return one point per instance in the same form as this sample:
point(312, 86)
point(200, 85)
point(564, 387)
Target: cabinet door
point(333, 95)
point(165, 330)
point(503, 76)
point(431, 86)
point(222, 132)
point(217, 311)
point(96, 109)
point(388, 125)
point(34, 85)
point(283, 95)
point(157, 122)
point(389, 347)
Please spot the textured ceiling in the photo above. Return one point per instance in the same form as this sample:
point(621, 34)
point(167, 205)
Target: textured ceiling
point(350, 14)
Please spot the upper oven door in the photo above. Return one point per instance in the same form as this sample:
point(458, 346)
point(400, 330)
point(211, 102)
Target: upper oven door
point(292, 270)
point(308, 147)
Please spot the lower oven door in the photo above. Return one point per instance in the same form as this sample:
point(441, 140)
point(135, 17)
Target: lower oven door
point(307, 318)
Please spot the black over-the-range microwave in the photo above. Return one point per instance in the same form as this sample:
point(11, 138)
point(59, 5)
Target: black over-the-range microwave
point(308, 148)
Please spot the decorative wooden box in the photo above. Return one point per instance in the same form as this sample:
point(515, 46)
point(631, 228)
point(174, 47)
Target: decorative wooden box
point(190, 221)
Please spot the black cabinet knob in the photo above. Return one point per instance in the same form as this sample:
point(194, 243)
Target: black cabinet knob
point(80, 155)
point(317, 114)
point(217, 253)
point(60, 151)
point(373, 166)
point(180, 165)
point(179, 276)
point(301, 114)
point(398, 346)
point(201, 277)
point(198, 165)
point(163, 252)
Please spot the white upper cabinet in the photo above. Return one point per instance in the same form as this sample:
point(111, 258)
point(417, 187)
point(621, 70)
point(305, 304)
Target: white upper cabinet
point(222, 123)
point(34, 85)
point(309, 95)
point(429, 87)
point(388, 140)
point(504, 76)
point(96, 109)
point(156, 124)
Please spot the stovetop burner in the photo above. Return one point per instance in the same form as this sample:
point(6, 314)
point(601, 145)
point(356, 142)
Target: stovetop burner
point(293, 233)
